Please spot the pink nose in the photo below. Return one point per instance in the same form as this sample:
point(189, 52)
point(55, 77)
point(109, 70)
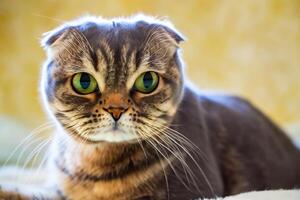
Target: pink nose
point(116, 105)
point(115, 112)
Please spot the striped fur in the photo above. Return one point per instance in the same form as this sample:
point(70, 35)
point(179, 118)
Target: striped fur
point(169, 144)
point(89, 158)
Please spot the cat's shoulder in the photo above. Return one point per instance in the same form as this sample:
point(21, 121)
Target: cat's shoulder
point(229, 107)
point(221, 100)
point(226, 101)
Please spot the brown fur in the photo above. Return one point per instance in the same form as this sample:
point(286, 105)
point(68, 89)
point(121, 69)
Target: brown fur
point(172, 143)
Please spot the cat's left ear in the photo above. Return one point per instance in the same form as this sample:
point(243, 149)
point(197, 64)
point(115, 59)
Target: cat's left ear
point(175, 35)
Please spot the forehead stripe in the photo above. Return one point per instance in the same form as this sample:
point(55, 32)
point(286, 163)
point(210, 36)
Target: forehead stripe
point(94, 60)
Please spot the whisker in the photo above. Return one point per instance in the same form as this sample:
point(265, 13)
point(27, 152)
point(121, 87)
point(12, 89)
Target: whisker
point(178, 155)
point(171, 139)
point(47, 17)
point(149, 140)
point(33, 153)
point(33, 133)
point(141, 145)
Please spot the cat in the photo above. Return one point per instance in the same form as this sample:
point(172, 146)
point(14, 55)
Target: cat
point(128, 126)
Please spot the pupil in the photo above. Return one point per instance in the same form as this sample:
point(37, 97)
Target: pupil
point(148, 80)
point(85, 80)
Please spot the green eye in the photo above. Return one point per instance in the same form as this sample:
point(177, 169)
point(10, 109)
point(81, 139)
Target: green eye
point(147, 82)
point(84, 83)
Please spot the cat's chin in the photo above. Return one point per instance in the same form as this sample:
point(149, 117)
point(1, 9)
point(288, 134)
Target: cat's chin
point(112, 136)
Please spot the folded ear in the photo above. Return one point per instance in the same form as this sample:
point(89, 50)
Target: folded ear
point(176, 35)
point(161, 26)
point(67, 41)
point(163, 39)
point(50, 37)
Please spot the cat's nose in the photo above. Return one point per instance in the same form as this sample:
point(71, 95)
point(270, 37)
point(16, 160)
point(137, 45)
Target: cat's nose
point(115, 104)
point(116, 112)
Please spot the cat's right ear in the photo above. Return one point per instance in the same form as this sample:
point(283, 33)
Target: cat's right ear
point(65, 40)
point(49, 38)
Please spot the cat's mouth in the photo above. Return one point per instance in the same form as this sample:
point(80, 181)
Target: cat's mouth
point(112, 134)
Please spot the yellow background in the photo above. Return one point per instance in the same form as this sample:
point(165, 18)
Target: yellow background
point(249, 47)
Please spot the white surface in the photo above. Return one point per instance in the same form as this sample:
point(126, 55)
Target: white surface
point(268, 195)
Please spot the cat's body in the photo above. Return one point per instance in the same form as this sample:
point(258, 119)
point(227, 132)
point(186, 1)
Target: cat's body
point(196, 146)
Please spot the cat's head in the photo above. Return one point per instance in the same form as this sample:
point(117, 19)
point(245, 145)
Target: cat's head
point(113, 80)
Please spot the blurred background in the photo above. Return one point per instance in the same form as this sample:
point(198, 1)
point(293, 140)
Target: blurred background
point(250, 48)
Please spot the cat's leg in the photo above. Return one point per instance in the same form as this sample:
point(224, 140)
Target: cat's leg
point(16, 184)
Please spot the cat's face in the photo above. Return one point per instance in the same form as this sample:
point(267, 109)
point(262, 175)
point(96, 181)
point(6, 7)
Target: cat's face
point(113, 81)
